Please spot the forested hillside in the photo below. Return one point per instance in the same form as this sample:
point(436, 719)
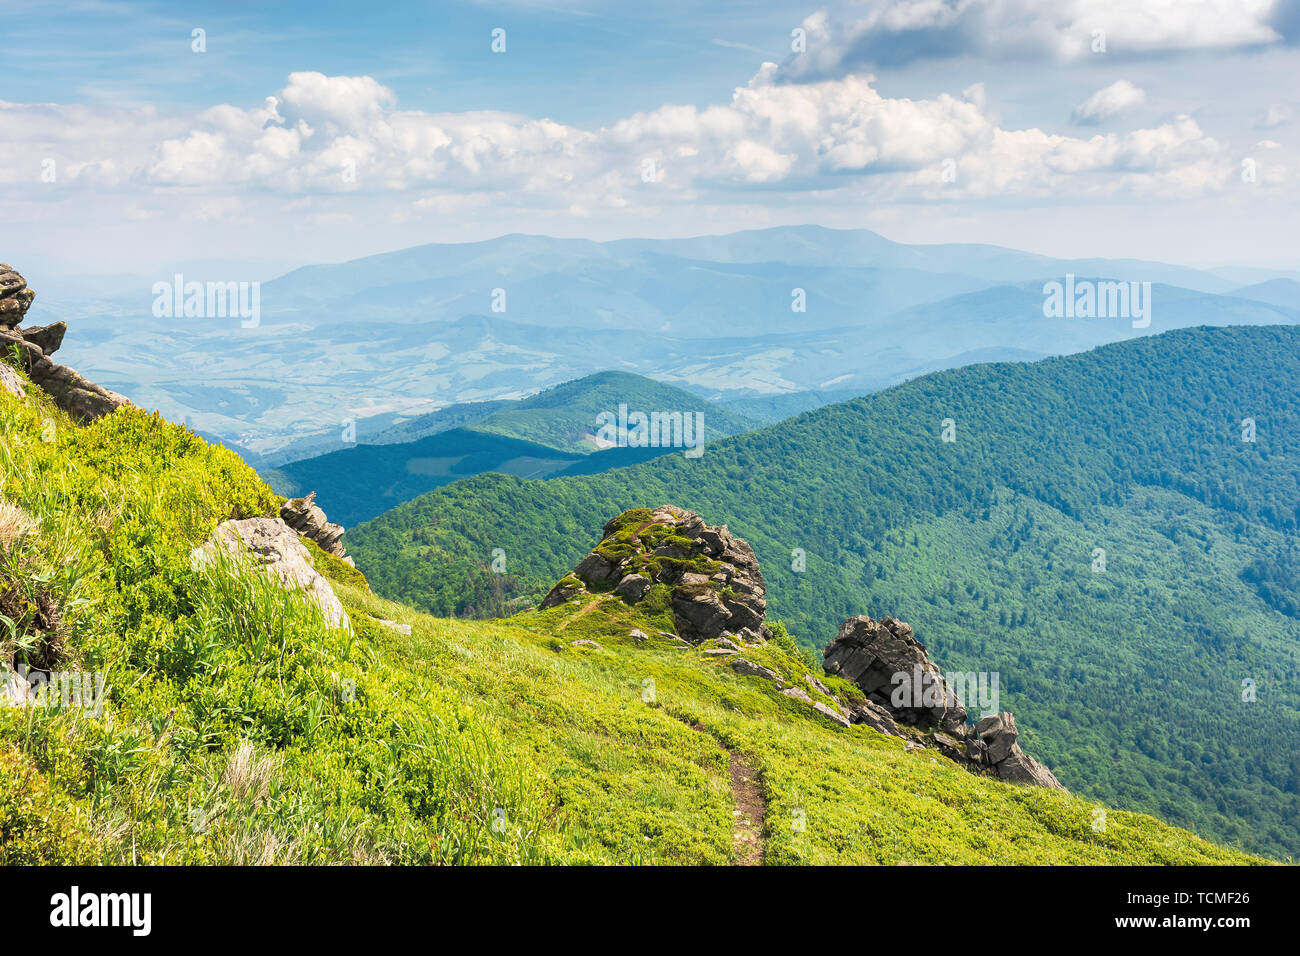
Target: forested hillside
point(1100, 533)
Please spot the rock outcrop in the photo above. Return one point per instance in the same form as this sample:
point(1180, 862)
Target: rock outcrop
point(273, 546)
point(874, 655)
point(79, 397)
point(307, 518)
point(903, 686)
point(717, 589)
point(716, 593)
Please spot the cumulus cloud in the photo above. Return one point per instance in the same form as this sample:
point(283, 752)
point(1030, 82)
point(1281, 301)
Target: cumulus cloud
point(1108, 102)
point(833, 141)
point(864, 34)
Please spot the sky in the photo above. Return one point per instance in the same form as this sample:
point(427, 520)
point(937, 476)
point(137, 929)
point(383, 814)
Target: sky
point(249, 137)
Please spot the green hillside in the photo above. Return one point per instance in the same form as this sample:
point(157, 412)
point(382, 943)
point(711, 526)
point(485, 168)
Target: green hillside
point(1131, 676)
point(237, 727)
point(538, 437)
point(564, 416)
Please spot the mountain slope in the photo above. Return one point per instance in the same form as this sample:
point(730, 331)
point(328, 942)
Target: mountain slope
point(237, 727)
point(991, 542)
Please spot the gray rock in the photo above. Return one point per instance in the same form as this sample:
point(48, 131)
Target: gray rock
point(748, 668)
point(585, 643)
point(701, 611)
point(394, 626)
point(638, 635)
point(272, 546)
point(830, 713)
point(596, 570)
point(633, 588)
point(10, 382)
point(874, 716)
point(882, 657)
point(15, 297)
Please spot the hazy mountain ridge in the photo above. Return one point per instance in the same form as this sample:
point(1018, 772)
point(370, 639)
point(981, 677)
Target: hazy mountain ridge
point(400, 334)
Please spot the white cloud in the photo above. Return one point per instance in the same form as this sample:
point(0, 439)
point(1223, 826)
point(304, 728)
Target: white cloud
point(835, 143)
point(1108, 102)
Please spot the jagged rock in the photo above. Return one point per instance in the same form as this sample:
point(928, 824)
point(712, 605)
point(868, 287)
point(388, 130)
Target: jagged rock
point(47, 338)
point(307, 518)
point(902, 684)
point(816, 685)
point(585, 643)
point(1001, 751)
point(874, 716)
point(748, 668)
point(830, 713)
point(892, 669)
point(273, 545)
point(638, 635)
point(78, 397)
point(15, 297)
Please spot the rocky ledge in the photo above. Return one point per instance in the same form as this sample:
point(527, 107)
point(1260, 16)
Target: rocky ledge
point(891, 667)
point(717, 589)
point(33, 346)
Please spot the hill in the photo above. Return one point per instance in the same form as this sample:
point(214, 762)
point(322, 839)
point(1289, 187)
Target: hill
point(1099, 533)
point(553, 432)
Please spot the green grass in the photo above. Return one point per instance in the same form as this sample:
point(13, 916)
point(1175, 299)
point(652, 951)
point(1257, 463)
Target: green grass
point(239, 728)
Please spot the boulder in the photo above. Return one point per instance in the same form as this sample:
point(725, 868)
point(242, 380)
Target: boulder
point(995, 740)
point(47, 338)
point(874, 716)
point(748, 668)
point(15, 297)
point(633, 587)
point(78, 397)
point(10, 382)
point(272, 546)
point(892, 668)
point(903, 686)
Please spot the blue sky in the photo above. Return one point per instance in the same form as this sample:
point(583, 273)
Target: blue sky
point(395, 124)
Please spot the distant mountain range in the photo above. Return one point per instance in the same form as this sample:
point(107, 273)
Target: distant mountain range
point(374, 343)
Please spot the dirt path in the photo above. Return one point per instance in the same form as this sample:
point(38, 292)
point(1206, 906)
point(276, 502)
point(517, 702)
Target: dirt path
point(747, 831)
